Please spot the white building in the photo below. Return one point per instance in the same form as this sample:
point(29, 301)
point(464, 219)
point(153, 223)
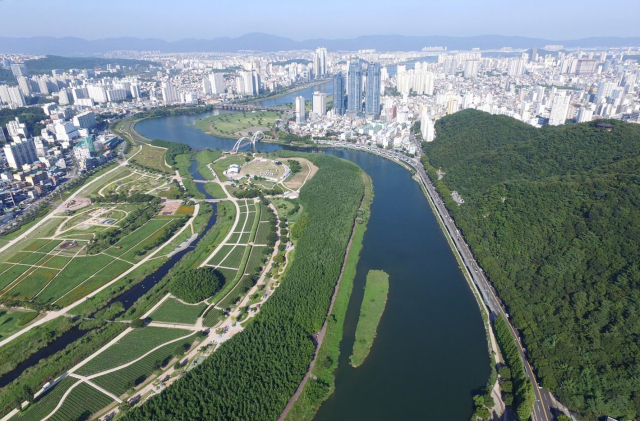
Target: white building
point(20, 152)
point(170, 94)
point(216, 82)
point(559, 109)
point(300, 110)
point(319, 103)
point(426, 127)
point(86, 120)
point(66, 131)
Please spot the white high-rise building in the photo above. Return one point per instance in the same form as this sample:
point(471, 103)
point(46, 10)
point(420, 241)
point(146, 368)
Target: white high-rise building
point(300, 110)
point(206, 86)
point(97, 93)
point(471, 69)
point(170, 94)
point(135, 90)
point(426, 127)
point(12, 95)
point(584, 115)
point(20, 152)
point(605, 89)
point(320, 62)
point(560, 108)
point(421, 82)
point(17, 129)
point(216, 81)
point(319, 103)
point(86, 120)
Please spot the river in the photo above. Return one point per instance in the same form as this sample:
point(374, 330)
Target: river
point(430, 355)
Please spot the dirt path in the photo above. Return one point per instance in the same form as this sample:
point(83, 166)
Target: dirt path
point(320, 336)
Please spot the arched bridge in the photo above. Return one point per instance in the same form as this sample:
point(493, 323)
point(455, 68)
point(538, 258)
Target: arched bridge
point(243, 141)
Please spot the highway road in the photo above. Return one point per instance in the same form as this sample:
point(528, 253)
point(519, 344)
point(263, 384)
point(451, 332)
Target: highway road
point(545, 405)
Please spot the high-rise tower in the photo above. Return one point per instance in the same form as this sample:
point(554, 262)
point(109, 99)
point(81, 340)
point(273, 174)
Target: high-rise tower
point(372, 100)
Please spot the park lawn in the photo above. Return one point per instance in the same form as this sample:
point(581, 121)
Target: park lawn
point(57, 262)
point(11, 274)
point(83, 399)
point(94, 188)
point(130, 255)
point(87, 286)
point(185, 210)
point(220, 255)
point(229, 124)
point(31, 284)
point(205, 157)
point(152, 157)
point(373, 304)
point(50, 246)
point(36, 245)
point(47, 402)
point(212, 317)
point(12, 321)
point(257, 260)
point(131, 242)
point(264, 229)
point(236, 294)
point(128, 377)
point(222, 164)
point(215, 190)
point(130, 347)
point(77, 271)
point(231, 283)
point(173, 311)
point(234, 258)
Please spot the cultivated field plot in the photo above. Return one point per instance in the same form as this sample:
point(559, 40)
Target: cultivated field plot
point(212, 317)
point(84, 399)
point(119, 381)
point(130, 347)
point(46, 403)
point(173, 311)
point(137, 181)
point(152, 157)
point(57, 269)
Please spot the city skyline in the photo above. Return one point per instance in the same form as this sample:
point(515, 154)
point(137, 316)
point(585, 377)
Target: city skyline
point(196, 19)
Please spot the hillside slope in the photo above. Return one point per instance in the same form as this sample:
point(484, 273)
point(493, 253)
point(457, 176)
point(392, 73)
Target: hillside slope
point(552, 215)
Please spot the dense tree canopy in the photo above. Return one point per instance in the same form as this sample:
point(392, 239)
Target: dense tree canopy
point(552, 215)
point(194, 285)
point(253, 375)
point(173, 149)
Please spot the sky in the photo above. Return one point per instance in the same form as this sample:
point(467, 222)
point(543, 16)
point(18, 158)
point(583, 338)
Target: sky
point(304, 19)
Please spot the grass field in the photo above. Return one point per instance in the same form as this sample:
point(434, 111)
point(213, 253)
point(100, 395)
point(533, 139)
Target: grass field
point(45, 404)
point(222, 164)
point(40, 270)
point(133, 345)
point(173, 311)
point(152, 157)
point(122, 380)
point(12, 321)
point(231, 124)
point(373, 304)
point(212, 317)
point(81, 402)
point(205, 157)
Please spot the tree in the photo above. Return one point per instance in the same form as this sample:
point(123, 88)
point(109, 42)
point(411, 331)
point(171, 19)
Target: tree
point(505, 372)
point(194, 285)
point(563, 417)
point(138, 323)
point(482, 413)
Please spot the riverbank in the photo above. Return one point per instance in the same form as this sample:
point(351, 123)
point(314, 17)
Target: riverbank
point(373, 304)
point(288, 91)
point(311, 394)
point(236, 125)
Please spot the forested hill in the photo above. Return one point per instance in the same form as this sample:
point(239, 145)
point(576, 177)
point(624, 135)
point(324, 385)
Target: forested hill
point(553, 216)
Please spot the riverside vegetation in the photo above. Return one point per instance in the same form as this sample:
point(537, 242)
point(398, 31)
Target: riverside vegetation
point(373, 304)
point(264, 365)
point(551, 214)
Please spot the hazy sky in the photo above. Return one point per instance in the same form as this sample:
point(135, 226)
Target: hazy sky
point(304, 19)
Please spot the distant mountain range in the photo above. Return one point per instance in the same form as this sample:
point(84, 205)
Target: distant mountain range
point(70, 46)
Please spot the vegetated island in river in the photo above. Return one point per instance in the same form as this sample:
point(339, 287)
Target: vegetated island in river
point(373, 304)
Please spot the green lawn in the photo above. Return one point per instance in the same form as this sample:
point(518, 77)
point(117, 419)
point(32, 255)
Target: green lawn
point(215, 190)
point(152, 157)
point(212, 317)
point(205, 157)
point(12, 321)
point(45, 404)
point(222, 164)
point(120, 381)
point(173, 311)
point(373, 304)
point(229, 124)
point(234, 258)
point(131, 346)
point(82, 401)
